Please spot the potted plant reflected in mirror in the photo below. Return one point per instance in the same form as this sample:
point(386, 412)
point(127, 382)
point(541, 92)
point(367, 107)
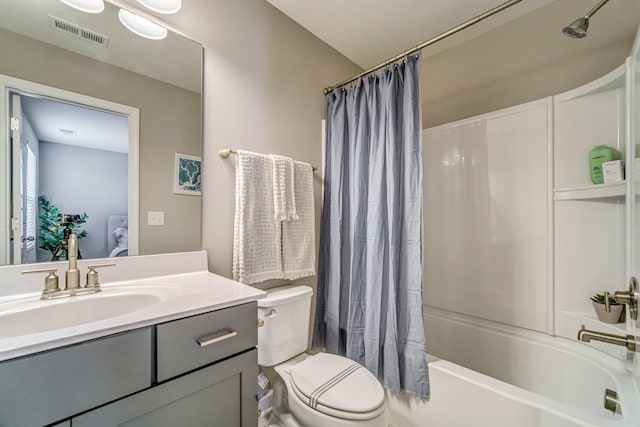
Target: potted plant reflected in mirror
point(615, 314)
point(53, 227)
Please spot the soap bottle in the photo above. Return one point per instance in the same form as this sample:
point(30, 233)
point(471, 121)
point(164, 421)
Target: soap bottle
point(597, 156)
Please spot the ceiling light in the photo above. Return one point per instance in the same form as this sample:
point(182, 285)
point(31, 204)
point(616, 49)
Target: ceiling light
point(89, 6)
point(141, 26)
point(162, 6)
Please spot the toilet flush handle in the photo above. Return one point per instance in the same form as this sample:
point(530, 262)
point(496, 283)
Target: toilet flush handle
point(269, 315)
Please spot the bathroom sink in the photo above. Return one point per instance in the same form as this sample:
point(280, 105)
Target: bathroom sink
point(33, 316)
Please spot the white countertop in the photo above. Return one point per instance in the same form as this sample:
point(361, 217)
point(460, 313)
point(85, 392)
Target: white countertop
point(175, 296)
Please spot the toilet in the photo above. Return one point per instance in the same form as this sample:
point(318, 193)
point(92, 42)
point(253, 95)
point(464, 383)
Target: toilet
point(320, 390)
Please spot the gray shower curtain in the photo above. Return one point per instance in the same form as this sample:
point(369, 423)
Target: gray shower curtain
point(369, 304)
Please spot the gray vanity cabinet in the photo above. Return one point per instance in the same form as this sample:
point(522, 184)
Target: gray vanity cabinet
point(195, 371)
point(219, 395)
point(53, 385)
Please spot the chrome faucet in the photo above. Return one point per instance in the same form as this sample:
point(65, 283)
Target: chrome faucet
point(72, 276)
point(628, 341)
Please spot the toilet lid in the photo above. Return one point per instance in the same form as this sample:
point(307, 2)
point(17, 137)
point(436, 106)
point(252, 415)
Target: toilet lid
point(337, 386)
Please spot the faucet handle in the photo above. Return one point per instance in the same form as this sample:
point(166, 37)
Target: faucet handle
point(631, 298)
point(607, 301)
point(92, 275)
point(50, 282)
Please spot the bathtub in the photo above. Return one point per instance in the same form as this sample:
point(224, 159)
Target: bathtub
point(536, 380)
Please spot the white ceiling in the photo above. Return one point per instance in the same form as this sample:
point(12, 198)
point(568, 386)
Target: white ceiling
point(371, 31)
point(96, 129)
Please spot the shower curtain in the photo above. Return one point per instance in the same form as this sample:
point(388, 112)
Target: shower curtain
point(369, 305)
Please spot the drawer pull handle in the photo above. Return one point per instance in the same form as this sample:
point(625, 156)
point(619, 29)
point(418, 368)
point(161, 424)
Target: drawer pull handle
point(212, 339)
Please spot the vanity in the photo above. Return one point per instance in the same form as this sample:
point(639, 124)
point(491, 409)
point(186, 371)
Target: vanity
point(165, 348)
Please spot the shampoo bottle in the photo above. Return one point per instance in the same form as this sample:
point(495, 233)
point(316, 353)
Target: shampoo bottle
point(597, 156)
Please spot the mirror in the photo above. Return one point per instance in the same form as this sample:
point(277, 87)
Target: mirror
point(60, 60)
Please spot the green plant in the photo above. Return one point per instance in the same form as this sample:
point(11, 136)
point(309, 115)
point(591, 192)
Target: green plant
point(51, 232)
point(599, 299)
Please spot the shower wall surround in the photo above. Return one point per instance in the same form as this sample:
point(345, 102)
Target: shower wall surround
point(515, 232)
point(485, 216)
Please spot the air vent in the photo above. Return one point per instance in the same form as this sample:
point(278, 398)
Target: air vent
point(67, 132)
point(77, 31)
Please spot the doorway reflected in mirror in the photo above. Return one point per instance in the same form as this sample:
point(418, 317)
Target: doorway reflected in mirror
point(71, 171)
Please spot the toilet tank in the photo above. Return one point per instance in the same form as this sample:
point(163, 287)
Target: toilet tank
point(285, 333)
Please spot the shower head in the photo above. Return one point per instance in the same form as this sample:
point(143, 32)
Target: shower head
point(578, 28)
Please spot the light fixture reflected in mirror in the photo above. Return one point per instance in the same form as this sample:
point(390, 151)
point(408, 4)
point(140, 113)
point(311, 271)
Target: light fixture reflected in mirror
point(89, 6)
point(162, 6)
point(141, 26)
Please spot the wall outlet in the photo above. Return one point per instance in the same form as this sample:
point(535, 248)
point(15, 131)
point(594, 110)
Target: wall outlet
point(155, 218)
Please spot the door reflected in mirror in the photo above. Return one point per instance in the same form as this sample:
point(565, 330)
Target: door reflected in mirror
point(73, 178)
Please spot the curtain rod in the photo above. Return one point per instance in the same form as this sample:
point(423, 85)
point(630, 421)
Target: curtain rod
point(226, 152)
point(421, 46)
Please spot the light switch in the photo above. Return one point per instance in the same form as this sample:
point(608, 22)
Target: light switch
point(155, 218)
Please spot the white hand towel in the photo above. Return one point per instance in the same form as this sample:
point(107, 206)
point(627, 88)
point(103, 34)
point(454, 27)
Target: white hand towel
point(298, 237)
point(284, 201)
point(257, 254)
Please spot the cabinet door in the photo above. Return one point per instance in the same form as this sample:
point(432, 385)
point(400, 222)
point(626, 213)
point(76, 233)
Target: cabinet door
point(46, 387)
point(219, 395)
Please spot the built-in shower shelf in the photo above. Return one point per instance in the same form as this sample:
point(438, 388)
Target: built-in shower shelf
point(587, 192)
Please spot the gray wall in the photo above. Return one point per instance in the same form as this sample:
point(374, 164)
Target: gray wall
point(170, 122)
point(526, 59)
point(96, 183)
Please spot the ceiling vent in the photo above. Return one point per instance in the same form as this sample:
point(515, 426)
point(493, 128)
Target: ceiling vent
point(77, 31)
point(68, 132)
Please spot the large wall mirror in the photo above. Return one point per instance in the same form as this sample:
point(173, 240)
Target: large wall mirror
point(107, 122)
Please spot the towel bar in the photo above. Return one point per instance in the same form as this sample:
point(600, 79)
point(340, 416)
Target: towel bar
point(226, 152)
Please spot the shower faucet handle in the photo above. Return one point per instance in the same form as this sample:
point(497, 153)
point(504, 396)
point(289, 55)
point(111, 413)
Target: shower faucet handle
point(607, 301)
point(92, 275)
point(631, 297)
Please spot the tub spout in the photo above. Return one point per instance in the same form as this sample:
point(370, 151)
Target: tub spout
point(628, 341)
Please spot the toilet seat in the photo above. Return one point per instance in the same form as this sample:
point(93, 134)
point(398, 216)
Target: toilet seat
point(337, 387)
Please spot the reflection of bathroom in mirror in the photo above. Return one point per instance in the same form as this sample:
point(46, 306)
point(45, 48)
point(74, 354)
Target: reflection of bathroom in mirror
point(75, 148)
point(74, 161)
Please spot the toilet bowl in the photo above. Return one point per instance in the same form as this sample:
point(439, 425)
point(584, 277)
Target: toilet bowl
point(320, 390)
point(329, 390)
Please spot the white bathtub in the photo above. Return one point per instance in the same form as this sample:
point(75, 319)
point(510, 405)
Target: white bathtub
point(552, 382)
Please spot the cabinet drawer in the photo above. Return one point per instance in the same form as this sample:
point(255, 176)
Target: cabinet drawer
point(50, 386)
point(186, 344)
